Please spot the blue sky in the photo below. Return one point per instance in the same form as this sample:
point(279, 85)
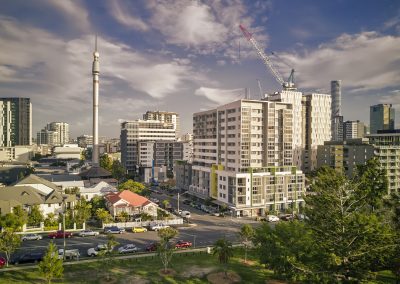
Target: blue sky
point(183, 56)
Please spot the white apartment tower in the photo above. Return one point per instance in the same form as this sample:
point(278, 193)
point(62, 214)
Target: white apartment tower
point(62, 128)
point(243, 154)
point(137, 131)
point(317, 119)
point(311, 119)
point(164, 116)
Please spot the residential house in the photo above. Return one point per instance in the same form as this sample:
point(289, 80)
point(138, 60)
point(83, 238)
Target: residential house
point(101, 189)
point(132, 203)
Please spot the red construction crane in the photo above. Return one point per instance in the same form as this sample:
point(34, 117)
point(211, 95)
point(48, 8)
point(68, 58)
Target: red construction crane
point(289, 85)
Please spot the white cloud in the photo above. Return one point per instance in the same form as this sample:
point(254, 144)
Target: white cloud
point(56, 73)
point(220, 96)
point(75, 11)
point(364, 61)
point(124, 16)
point(206, 27)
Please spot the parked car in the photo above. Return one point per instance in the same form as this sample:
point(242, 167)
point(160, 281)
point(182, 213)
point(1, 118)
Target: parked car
point(158, 227)
point(183, 244)
point(152, 246)
point(31, 237)
point(139, 230)
point(272, 218)
point(69, 253)
point(185, 214)
point(113, 230)
point(3, 261)
point(33, 257)
point(287, 217)
point(95, 251)
point(60, 234)
point(128, 248)
point(86, 233)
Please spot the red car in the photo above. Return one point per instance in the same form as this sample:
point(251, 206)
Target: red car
point(183, 244)
point(60, 234)
point(2, 262)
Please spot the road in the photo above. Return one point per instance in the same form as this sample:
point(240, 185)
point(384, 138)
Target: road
point(205, 231)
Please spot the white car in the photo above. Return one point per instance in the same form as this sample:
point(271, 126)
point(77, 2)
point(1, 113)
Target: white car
point(31, 237)
point(272, 218)
point(128, 248)
point(69, 253)
point(86, 233)
point(158, 227)
point(95, 251)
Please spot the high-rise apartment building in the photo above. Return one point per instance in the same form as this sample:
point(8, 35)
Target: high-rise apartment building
point(164, 116)
point(345, 156)
point(317, 130)
point(85, 140)
point(54, 134)
point(15, 122)
point(381, 117)
point(387, 149)
point(135, 132)
point(336, 114)
point(243, 156)
point(353, 129)
point(311, 124)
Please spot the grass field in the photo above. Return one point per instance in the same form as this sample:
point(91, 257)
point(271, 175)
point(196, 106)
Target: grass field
point(188, 268)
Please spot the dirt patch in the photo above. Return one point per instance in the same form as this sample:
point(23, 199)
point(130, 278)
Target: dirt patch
point(272, 281)
point(196, 271)
point(168, 272)
point(249, 262)
point(220, 278)
point(111, 280)
point(135, 279)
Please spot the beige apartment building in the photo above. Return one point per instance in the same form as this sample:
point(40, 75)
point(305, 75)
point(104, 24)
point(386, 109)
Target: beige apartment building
point(243, 157)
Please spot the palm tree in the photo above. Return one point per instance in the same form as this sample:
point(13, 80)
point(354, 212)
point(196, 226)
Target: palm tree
point(245, 234)
point(223, 248)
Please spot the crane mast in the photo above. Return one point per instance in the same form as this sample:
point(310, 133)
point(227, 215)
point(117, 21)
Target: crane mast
point(289, 85)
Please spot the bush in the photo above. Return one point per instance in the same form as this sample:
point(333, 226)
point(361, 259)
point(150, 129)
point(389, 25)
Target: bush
point(50, 228)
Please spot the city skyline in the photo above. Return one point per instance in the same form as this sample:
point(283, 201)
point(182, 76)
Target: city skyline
point(184, 56)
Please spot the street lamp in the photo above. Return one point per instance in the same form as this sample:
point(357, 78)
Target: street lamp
point(64, 197)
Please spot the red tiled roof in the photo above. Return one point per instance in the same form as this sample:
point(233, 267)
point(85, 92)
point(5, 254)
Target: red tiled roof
point(133, 199)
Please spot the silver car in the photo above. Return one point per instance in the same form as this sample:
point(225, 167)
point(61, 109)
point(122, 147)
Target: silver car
point(128, 248)
point(86, 233)
point(31, 237)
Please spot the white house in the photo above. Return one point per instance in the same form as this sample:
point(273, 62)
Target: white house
point(101, 189)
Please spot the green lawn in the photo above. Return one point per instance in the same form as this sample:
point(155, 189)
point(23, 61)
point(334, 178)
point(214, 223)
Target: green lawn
point(189, 267)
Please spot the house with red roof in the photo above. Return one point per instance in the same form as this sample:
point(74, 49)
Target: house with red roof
point(129, 202)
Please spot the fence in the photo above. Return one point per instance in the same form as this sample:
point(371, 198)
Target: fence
point(177, 221)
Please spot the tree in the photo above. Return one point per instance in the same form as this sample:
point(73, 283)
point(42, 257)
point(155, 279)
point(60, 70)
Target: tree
point(122, 216)
point(73, 190)
point(372, 183)
point(223, 249)
point(14, 220)
point(162, 214)
point(246, 234)
point(166, 203)
point(289, 250)
point(50, 220)
point(51, 266)
point(164, 250)
point(97, 202)
point(103, 215)
point(106, 162)
point(82, 211)
point(36, 216)
point(134, 186)
point(342, 224)
point(107, 254)
point(21, 215)
point(9, 242)
point(145, 217)
point(118, 171)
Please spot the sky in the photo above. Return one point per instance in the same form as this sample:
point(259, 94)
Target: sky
point(188, 56)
